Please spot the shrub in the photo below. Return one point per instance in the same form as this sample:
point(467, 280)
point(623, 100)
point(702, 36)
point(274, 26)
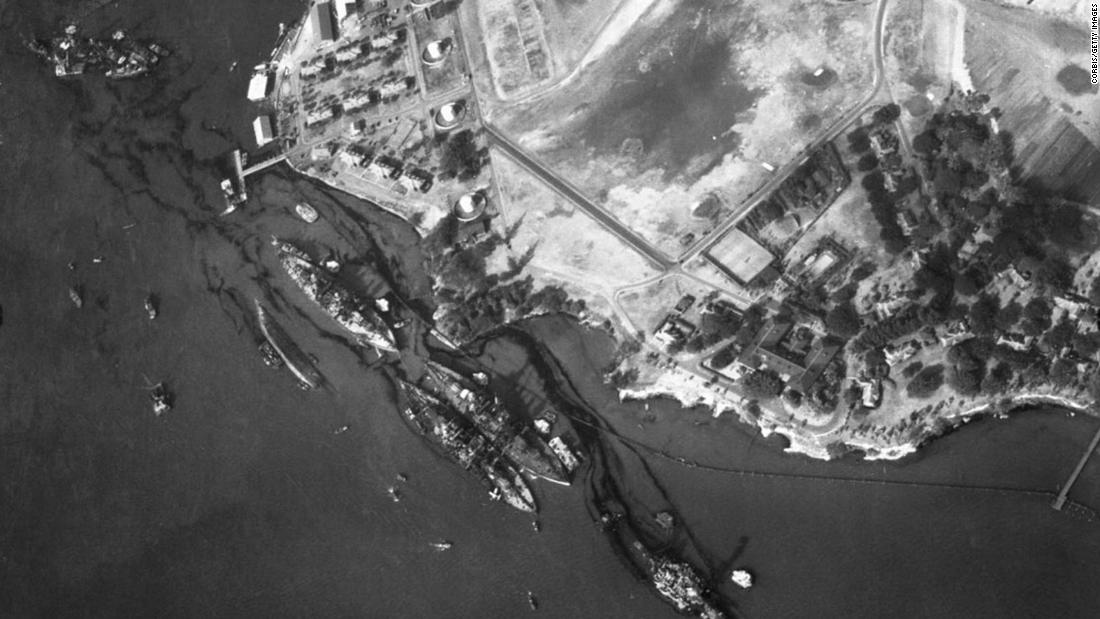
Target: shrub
point(926, 382)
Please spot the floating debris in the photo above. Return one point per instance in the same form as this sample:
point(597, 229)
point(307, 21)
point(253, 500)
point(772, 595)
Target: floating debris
point(76, 297)
point(394, 494)
point(532, 601)
point(401, 477)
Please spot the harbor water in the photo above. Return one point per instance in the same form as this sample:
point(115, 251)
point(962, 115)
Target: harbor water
point(255, 498)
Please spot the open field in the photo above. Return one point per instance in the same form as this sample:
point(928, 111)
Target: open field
point(684, 110)
point(515, 45)
point(560, 238)
point(1017, 57)
point(647, 306)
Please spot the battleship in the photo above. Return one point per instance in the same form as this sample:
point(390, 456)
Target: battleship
point(434, 419)
point(516, 441)
point(360, 320)
point(119, 57)
point(300, 365)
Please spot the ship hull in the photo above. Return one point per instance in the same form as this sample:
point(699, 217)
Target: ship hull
point(300, 365)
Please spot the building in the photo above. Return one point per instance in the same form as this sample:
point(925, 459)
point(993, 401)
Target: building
point(384, 167)
point(393, 87)
point(896, 354)
point(345, 7)
point(318, 116)
point(350, 158)
point(320, 18)
point(871, 393)
point(796, 354)
point(383, 41)
point(673, 330)
point(320, 152)
point(349, 53)
point(264, 132)
point(414, 179)
point(739, 256)
point(259, 85)
point(1016, 341)
point(470, 206)
point(357, 101)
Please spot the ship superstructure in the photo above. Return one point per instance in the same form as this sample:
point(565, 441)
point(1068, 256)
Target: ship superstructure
point(338, 302)
point(516, 440)
point(441, 424)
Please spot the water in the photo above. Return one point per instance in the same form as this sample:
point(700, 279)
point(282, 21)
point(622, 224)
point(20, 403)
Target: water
point(245, 501)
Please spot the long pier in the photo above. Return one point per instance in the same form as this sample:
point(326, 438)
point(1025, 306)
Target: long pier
point(1060, 500)
point(266, 163)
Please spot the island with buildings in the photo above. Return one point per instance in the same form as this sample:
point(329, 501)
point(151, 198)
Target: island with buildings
point(854, 240)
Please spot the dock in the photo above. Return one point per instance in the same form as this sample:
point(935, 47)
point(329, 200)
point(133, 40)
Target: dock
point(1060, 501)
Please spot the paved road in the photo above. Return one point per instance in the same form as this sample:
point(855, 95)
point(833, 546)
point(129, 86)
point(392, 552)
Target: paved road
point(781, 174)
point(574, 195)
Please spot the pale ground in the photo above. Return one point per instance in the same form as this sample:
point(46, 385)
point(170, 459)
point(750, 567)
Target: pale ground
point(648, 305)
point(850, 222)
point(566, 241)
point(769, 54)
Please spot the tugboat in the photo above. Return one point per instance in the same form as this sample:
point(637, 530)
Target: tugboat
point(442, 545)
point(76, 297)
point(306, 212)
point(162, 399)
point(339, 303)
point(151, 307)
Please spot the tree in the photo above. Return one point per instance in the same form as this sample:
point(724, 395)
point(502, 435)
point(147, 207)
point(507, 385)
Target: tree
point(761, 385)
point(1036, 316)
point(965, 285)
point(887, 113)
point(1059, 336)
point(911, 370)
point(926, 143)
point(1008, 316)
point(998, 379)
point(873, 181)
point(1063, 372)
point(723, 357)
point(858, 141)
point(982, 315)
point(1086, 344)
point(926, 382)
point(842, 320)
point(1094, 292)
point(867, 162)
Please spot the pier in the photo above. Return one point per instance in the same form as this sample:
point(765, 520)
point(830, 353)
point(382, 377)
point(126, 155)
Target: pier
point(261, 165)
point(1059, 501)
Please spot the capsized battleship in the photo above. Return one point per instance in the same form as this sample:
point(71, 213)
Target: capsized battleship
point(459, 440)
point(338, 302)
point(516, 440)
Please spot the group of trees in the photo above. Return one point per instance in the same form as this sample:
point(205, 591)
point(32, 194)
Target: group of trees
point(843, 321)
point(461, 157)
point(761, 384)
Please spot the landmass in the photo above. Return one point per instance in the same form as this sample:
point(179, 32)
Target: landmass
point(856, 229)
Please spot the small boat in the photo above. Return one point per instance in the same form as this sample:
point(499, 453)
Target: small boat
point(401, 477)
point(741, 578)
point(536, 525)
point(394, 494)
point(532, 601)
point(341, 430)
point(151, 307)
point(233, 66)
point(162, 399)
point(306, 212)
point(443, 545)
point(77, 298)
point(270, 355)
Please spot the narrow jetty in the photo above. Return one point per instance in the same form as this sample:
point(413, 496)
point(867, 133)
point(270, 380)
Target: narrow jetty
point(1060, 500)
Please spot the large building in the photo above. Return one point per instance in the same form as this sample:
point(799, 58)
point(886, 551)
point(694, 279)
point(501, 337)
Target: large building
point(259, 85)
point(264, 132)
point(320, 17)
point(740, 256)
